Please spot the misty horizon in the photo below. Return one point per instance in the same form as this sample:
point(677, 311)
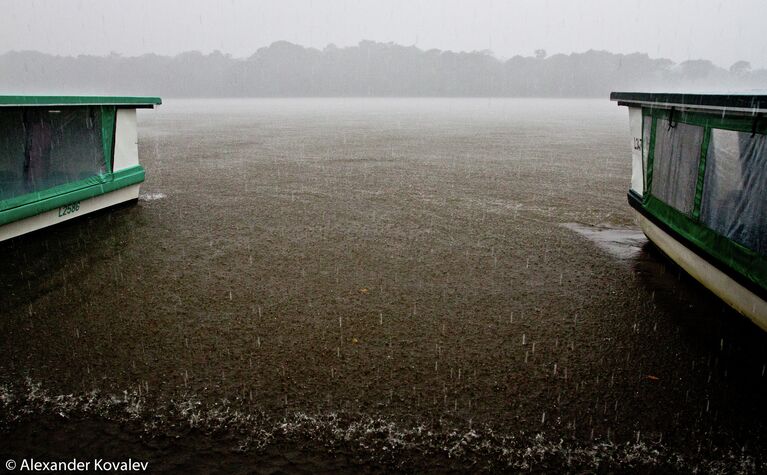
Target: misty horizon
point(332, 46)
point(370, 69)
point(722, 32)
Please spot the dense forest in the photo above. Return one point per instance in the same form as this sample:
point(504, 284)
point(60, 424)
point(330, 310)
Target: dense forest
point(368, 69)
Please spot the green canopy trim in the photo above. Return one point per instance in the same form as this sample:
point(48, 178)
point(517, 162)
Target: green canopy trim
point(55, 101)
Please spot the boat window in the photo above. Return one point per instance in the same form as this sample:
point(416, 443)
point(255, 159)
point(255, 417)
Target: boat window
point(675, 163)
point(733, 202)
point(11, 153)
point(42, 148)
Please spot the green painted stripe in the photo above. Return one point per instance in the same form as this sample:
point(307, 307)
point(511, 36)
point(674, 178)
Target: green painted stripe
point(71, 192)
point(740, 259)
point(108, 124)
point(650, 154)
point(54, 191)
point(636, 202)
point(736, 256)
point(10, 101)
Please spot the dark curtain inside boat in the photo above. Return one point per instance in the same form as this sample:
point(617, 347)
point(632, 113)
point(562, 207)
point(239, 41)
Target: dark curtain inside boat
point(646, 129)
point(41, 148)
point(11, 152)
point(675, 163)
point(733, 202)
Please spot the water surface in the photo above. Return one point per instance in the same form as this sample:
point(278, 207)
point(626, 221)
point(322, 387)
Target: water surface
point(368, 284)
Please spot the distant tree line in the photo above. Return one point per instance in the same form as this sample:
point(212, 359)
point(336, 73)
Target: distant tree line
point(368, 69)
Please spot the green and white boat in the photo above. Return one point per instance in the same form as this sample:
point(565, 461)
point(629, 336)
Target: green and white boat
point(699, 187)
point(65, 156)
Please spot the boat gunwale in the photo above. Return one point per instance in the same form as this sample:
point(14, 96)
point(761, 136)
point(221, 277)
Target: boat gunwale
point(138, 102)
point(119, 179)
point(636, 202)
point(736, 102)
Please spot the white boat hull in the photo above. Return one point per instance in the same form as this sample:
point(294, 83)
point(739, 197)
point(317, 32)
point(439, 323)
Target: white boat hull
point(734, 294)
point(65, 213)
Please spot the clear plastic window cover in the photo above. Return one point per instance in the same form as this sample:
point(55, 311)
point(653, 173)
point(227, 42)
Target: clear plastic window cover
point(675, 164)
point(41, 148)
point(646, 129)
point(733, 202)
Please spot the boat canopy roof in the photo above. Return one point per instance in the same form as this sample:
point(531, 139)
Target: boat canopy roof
point(55, 101)
point(743, 103)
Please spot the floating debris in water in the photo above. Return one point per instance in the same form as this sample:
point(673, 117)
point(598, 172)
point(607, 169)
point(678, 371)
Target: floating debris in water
point(152, 196)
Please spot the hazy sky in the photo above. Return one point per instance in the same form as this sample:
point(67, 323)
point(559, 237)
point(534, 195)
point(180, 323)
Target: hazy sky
point(720, 30)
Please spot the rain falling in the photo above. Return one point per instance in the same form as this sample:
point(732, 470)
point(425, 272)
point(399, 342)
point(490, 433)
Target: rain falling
point(383, 236)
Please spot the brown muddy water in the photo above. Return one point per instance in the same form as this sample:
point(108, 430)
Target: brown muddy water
point(366, 285)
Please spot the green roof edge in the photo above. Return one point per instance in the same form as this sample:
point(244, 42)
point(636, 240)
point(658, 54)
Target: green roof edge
point(754, 102)
point(10, 101)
